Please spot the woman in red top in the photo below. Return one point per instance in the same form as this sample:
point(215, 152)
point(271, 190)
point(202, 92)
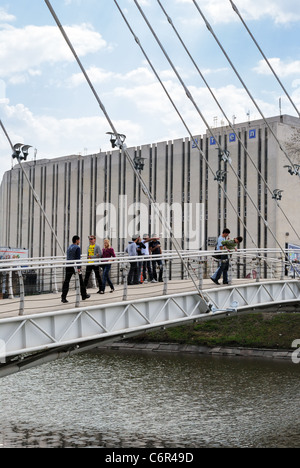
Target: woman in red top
point(107, 252)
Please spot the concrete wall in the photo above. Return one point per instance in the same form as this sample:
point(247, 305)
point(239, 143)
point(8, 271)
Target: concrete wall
point(100, 193)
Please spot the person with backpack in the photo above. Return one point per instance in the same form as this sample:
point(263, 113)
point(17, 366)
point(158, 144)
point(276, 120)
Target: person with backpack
point(222, 259)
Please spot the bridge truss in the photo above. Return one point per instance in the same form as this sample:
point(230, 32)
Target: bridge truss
point(31, 340)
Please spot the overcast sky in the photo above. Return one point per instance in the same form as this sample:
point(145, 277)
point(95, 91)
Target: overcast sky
point(45, 101)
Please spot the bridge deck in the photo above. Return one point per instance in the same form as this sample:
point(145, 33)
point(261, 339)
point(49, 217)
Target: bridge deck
point(52, 302)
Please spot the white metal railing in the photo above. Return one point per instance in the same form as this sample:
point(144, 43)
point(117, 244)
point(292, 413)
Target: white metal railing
point(35, 276)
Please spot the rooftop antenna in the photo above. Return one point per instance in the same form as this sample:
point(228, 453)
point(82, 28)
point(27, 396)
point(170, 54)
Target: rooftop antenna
point(280, 107)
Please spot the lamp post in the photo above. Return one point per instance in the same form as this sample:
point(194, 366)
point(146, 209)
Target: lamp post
point(220, 176)
point(295, 170)
point(277, 194)
point(20, 152)
point(139, 163)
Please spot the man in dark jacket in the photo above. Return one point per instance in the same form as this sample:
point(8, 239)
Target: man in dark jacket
point(73, 254)
point(155, 249)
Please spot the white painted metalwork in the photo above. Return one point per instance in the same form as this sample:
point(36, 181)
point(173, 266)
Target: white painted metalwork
point(29, 338)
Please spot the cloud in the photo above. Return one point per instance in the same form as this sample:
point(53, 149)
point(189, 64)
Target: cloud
point(6, 17)
point(282, 68)
point(33, 46)
point(100, 76)
point(219, 11)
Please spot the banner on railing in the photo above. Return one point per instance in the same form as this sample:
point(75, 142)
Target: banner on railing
point(294, 259)
point(8, 253)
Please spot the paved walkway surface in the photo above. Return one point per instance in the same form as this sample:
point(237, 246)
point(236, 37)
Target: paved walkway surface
point(52, 302)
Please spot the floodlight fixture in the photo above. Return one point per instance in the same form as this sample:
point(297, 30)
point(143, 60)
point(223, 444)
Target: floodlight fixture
point(117, 139)
point(220, 176)
point(21, 151)
point(139, 163)
point(293, 170)
point(277, 194)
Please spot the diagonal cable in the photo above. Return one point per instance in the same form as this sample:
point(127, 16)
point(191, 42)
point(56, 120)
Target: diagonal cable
point(189, 95)
point(235, 8)
point(209, 27)
point(225, 115)
point(124, 149)
point(184, 123)
point(36, 197)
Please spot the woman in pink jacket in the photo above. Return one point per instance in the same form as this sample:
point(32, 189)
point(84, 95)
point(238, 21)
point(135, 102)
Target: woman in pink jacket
point(107, 252)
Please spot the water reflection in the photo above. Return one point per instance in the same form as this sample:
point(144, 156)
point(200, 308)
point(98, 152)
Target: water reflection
point(128, 399)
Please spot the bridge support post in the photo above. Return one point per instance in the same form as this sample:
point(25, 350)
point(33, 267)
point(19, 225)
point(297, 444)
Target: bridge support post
point(55, 288)
point(10, 286)
point(200, 273)
point(282, 269)
point(165, 278)
point(230, 274)
point(22, 293)
point(77, 287)
point(125, 282)
point(258, 262)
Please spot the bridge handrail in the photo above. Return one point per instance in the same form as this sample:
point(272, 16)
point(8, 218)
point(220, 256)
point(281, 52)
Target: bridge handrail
point(51, 262)
point(254, 262)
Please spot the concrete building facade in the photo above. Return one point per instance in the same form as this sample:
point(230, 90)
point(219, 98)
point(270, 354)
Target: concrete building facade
point(100, 193)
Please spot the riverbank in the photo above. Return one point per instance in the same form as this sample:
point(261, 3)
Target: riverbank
point(268, 335)
point(204, 350)
point(257, 330)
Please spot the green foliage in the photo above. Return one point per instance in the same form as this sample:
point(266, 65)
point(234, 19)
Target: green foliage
point(274, 331)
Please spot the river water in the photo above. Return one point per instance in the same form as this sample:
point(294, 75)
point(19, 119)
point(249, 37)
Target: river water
point(146, 400)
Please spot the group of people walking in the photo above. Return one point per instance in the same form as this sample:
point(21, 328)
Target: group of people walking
point(94, 252)
point(139, 269)
point(137, 273)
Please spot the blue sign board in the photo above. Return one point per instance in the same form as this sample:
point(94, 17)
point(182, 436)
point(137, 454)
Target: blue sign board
point(232, 137)
point(195, 143)
point(212, 141)
point(252, 134)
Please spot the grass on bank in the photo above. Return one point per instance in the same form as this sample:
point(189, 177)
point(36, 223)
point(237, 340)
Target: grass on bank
point(265, 330)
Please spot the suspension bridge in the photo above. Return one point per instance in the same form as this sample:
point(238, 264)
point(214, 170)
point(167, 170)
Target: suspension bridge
point(35, 327)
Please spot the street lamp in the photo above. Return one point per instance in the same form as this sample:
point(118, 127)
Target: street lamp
point(117, 139)
point(21, 151)
point(139, 163)
point(224, 155)
point(220, 176)
point(277, 194)
point(293, 170)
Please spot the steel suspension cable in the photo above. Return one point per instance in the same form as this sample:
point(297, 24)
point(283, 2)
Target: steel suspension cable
point(235, 8)
point(36, 197)
point(209, 27)
point(124, 149)
point(189, 95)
point(184, 123)
point(138, 42)
point(225, 115)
